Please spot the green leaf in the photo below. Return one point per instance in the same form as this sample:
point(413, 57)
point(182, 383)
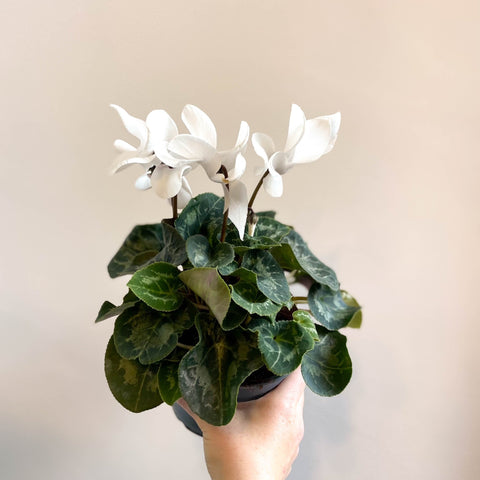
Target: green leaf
point(356, 321)
point(304, 319)
point(246, 294)
point(251, 243)
point(271, 280)
point(270, 228)
point(200, 211)
point(168, 382)
point(228, 269)
point(235, 316)
point(210, 287)
point(329, 308)
point(201, 254)
point(266, 213)
point(295, 255)
point(211, 373)
point(327, 368)
point(135, 386)
point(282, 344)
point(148, 335)
point(147, 244)
point(109, 310)
point(157, 285)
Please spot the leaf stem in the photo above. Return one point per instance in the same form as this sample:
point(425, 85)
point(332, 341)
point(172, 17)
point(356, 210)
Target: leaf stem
point(300, 299)
point(257, 188)
point(182, 345)
point(200, 306)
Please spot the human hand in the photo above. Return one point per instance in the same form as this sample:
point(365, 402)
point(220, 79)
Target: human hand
point(263, 438)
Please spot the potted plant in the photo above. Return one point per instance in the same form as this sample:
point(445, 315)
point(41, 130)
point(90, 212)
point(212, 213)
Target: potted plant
point(209, 309)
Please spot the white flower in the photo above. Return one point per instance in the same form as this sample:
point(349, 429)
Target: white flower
point(224, 167)
point(163, 172)
point(307, 141)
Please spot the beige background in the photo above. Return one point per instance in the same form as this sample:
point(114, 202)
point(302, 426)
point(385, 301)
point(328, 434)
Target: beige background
point(394, 209)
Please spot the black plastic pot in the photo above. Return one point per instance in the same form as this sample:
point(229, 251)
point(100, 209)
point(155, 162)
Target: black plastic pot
point(247, 393)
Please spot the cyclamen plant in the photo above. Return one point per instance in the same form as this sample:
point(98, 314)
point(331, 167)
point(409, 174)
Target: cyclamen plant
point(209, 301)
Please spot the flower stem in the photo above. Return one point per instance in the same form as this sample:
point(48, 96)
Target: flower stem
point(257, 188)
point(224, 226)
point(224, 170)
point(175, 207)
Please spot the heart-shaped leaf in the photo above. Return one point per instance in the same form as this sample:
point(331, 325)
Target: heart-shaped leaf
point(282, 344)
point(246, 294)
point(168, 382)
point(235, 316)
point(271, 280)
point(329, 308)
point(147, 244)
point(157, 285)
point(134, 385)
point(149, 335)
point(295, 255)
point(201, 254)
point(200, 211)
point(304, 319)
point(270, 228)
point(327, 368)
point(356, 321)
point(210, 287)
point(211, 373)
point(109, 310)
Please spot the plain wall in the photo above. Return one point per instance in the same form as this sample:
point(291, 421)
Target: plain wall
point(393, 209)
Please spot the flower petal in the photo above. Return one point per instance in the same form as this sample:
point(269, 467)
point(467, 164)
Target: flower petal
point(238, 169)
point(237, 205)
point(280, 163)
point(296, 127)
point(161, 128)
point(143, 182)
point(243, 135)
point(123, 146)
point(135, 126)
point(199, 124)
point(167, 181)
point(128, 158)
point(184, 195)
point(263, 146)
point(273, 184)
point(191, 148)
point(319, 138)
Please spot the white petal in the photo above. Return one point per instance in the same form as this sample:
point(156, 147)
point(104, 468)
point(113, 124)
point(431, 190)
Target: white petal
point(296, 127)
point(191, 148)
point(199, 124)
point(263, 146)
point(143, 182)
point(226, 158)
point(161, 128)
point(167, 181)
point(273, 184)
point(280, 163)
point(237, 205)
point(243, 135)
point(135, 126)
point(126, 159)
point(239, 168)
point(318, 139)
point(184, 195)
point(123, 146)
point(164, 155)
